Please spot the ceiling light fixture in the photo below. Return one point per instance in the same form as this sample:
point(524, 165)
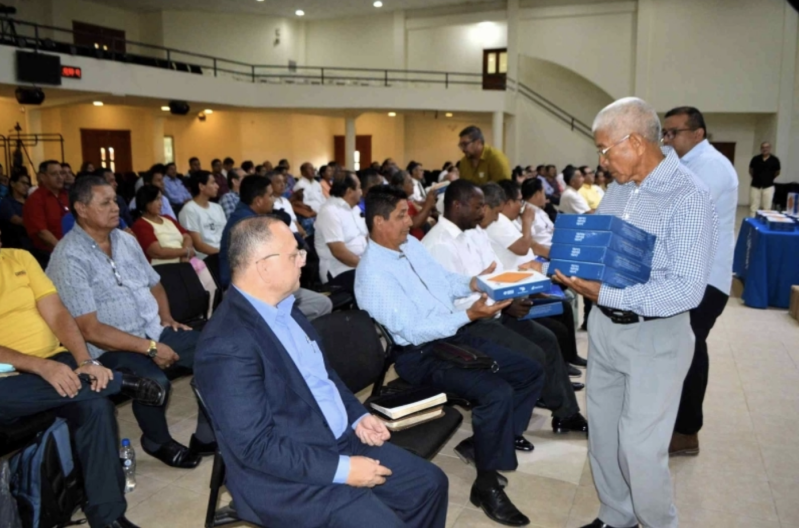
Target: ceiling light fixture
point(98, 103)
point(165, 108)
point(299, 12)
point(378, 4)
point(208, 111)
point(448, 114)
point(392, 114)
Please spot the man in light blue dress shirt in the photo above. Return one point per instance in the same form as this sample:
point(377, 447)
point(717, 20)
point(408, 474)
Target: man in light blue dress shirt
point(685, 131)
point(404, 289)
point(640, 339)
point(299, 447)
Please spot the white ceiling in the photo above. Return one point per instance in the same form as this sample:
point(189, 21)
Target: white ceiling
point(314, 9)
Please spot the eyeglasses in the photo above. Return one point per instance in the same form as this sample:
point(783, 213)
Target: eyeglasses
point(463, 144)
point(298, 257)
point(604, 152)
point(669, 133)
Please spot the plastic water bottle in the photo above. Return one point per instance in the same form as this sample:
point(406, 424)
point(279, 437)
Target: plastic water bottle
point(128, 458)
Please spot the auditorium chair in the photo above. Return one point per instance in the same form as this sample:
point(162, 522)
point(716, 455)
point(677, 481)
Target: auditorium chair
point(188, 300)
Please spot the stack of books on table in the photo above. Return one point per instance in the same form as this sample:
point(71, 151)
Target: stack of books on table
point(776, 221)
point(409, 408)
point(601, 248)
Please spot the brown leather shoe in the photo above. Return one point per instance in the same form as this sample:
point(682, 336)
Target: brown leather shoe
point(684, 445)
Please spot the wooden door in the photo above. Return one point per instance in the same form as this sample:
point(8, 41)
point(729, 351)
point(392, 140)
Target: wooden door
point(726, 148)
point(107, 149)
point(98, 37)
point(495, 68)
point(363, 148)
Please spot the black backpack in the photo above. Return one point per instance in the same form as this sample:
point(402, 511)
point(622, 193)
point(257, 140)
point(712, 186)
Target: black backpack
point(46, 481)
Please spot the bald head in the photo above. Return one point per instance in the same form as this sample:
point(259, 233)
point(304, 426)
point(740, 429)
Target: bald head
point(629, 115)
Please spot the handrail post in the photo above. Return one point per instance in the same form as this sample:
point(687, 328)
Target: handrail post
point(214, 66)
point(36, 35)
point(169, 58)
point(323, 76)
point(253, 73)
point(446, 80)
point(386, 73)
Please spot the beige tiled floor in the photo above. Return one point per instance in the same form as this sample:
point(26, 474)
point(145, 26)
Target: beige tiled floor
point(747, 474)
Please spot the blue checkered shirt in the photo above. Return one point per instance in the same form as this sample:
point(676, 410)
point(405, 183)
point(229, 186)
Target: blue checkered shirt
point(229, 202)
point(673, 204)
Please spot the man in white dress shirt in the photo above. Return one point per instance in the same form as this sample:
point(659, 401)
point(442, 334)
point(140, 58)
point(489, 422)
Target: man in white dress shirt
point(312, 195)
point(684, 130)
point(281, 203)
point(461, 246)
point(416, 171)
point(341, 233)
point(571, 201)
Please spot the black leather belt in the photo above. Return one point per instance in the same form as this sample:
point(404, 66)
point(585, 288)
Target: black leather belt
point(624, 317)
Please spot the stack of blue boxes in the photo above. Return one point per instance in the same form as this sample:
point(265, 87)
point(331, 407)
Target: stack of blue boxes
point(601, 248)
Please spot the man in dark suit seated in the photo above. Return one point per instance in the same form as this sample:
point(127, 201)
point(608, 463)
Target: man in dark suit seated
point(300, 449)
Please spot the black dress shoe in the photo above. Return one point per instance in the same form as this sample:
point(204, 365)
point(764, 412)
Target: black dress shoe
point(578, 361)
point(523, 444)
point(122, 522)
point(175, 455)
point(575, 422)
point(143, 390)
point(496, 504)
point(577, 386)
point(574, 372)
point(201, 448)
point(599, 524)
point(465, 451)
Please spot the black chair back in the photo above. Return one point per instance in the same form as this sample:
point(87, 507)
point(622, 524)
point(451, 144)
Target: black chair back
point(352, 347)
point(188, 300)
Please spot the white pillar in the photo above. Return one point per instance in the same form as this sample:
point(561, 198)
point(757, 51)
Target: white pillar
point(782, 146)
point(498, 127)
point(349, 143)
point(513, 40)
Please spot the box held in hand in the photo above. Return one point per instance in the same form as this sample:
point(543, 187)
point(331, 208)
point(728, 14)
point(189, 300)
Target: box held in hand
point(592, 271)
point(510, 284)
point(606, 239)
point(601, 255)
point(611, 223)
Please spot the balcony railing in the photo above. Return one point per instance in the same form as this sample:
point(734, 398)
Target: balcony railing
point(45, 38)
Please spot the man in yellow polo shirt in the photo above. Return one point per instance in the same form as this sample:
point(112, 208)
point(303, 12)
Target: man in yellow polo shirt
point(481, 164)
point(52, 370)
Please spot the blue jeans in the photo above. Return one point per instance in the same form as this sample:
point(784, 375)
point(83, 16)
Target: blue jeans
point(152, 420)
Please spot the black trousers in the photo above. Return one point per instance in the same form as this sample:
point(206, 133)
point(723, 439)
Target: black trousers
point(503, 400)
point(345, 281)
point(539, 344)
point(703, 317)
point(151, 419)
point(91, 420)
point(563, 327)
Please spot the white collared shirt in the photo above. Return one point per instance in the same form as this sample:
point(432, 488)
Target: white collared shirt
point(460, 252)
point(714, 170)
point(338, 222)
point(313, 196)
point(503, 234)
point(572, 202)
point(283, 204)
point(542, 226)
point(419, 194)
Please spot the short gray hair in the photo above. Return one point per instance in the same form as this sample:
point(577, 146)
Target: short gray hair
point(83, 190)
point(494, 195)
point(246, 237)
point(629, 115)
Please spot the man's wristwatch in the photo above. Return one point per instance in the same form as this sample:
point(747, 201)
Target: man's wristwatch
point(91, 362)
point(153, 350)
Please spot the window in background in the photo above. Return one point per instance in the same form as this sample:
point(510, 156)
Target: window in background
point(169, 149)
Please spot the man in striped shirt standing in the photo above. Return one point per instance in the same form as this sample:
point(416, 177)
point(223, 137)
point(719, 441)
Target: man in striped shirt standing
point(640, 338)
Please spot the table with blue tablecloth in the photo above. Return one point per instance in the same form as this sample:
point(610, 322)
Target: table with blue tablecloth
point(767, 262)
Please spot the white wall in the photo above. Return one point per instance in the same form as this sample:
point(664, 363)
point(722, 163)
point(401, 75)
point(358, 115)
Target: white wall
point(359, 42)
point(454, 48)
point(244, 38)
point(739, 129)
point(570, 91)
point(597, 46)
point(717, 55)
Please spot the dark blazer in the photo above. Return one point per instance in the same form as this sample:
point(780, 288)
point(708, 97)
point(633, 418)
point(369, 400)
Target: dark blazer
point(280, 453)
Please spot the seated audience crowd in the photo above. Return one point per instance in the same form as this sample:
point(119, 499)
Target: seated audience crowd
point(84, 315)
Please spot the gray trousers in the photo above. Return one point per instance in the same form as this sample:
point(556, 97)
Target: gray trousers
point(635, 377)
point(312, 304)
